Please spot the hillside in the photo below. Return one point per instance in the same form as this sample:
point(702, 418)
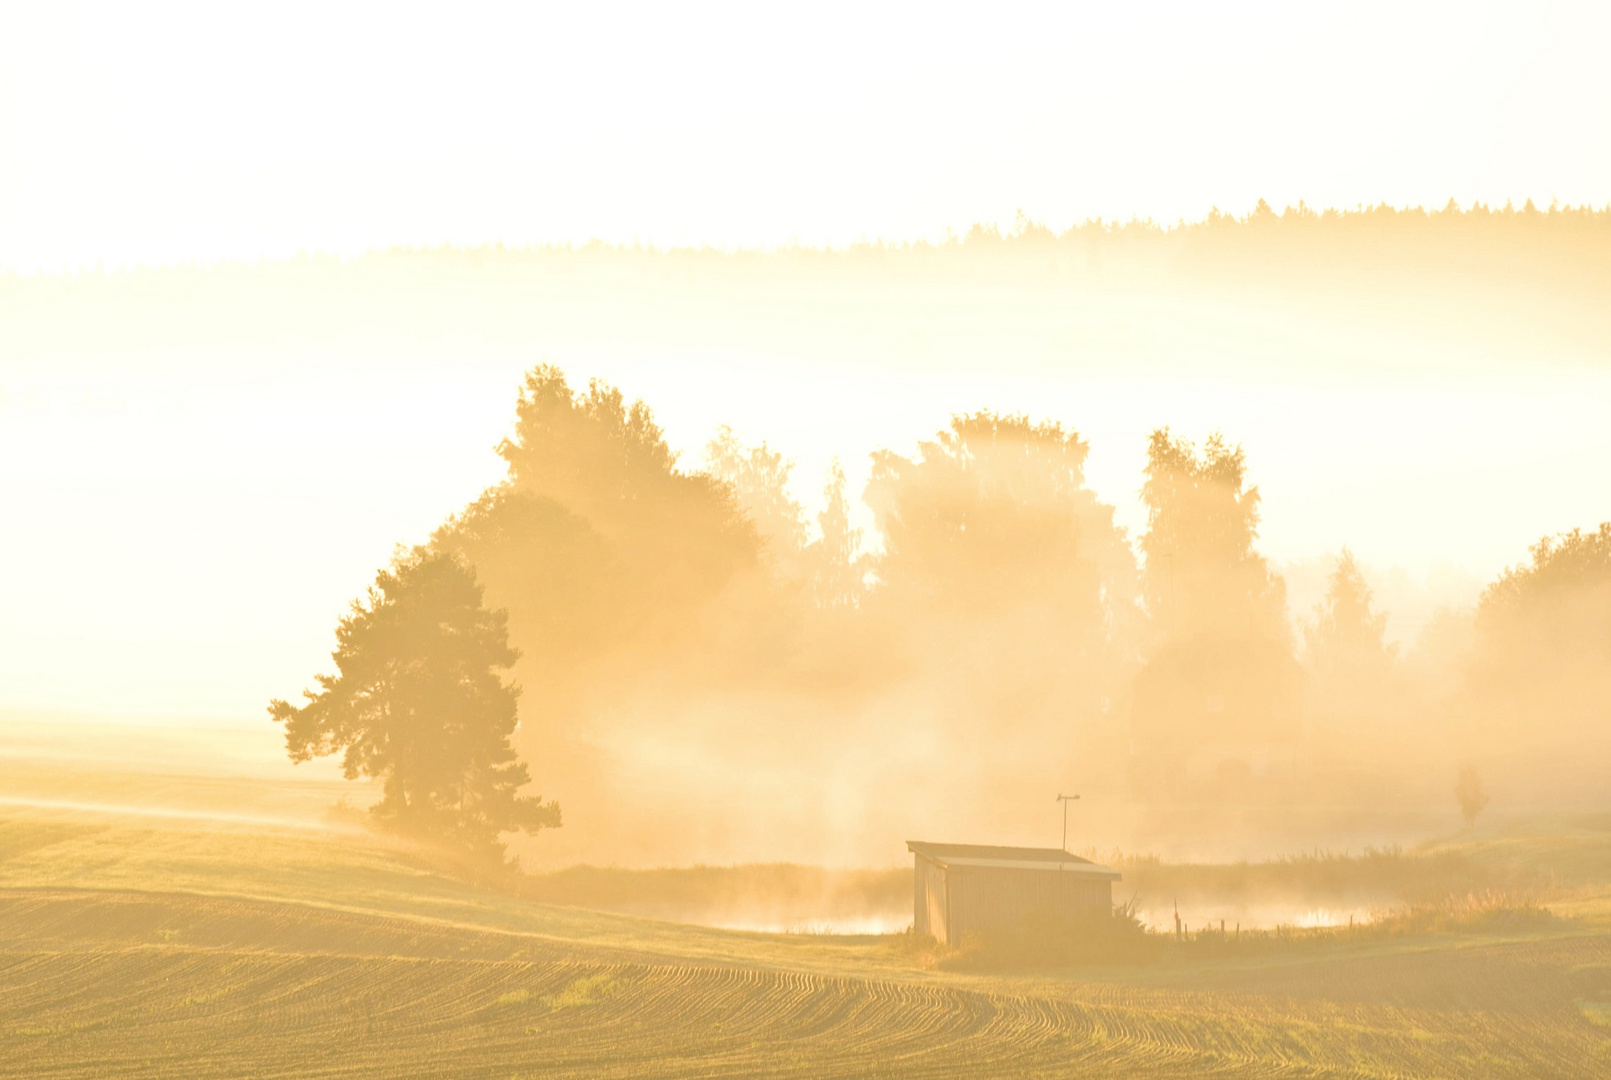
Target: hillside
point(147, 984)
point(137, 940)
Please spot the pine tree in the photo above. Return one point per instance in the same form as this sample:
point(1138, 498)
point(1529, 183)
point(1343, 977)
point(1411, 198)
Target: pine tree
point(837, 566)
point(1345, 641)
point(418, 704)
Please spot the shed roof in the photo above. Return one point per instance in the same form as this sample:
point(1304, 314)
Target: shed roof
point(1009, 858)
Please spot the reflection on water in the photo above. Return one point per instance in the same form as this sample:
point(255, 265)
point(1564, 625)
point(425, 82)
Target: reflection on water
point(1198, 916)
point(854, 925)
point(1193, 917)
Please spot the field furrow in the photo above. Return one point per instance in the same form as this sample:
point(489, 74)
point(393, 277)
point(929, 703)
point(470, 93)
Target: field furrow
point(154, 987)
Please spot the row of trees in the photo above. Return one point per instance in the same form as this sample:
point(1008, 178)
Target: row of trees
point(1382, 219)
point(1005, 604)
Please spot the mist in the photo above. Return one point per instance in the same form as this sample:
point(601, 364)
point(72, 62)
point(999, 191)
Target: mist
point(808, 668)
point(808, 541)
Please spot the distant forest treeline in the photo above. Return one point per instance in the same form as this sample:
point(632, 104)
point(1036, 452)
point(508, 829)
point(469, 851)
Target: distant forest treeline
point(1524, 282)
point(1557, 229)
point(1560, 230)
point(1381, 220)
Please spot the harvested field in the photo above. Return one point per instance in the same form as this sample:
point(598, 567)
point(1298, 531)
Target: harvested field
point(139, 985)
point(136, 945)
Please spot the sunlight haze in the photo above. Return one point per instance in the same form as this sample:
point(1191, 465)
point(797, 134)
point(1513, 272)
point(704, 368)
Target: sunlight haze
point(1061, 541)
point(164, 132)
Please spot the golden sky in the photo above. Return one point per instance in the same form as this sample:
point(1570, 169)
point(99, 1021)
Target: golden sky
point(158, 433)
point(162, 132)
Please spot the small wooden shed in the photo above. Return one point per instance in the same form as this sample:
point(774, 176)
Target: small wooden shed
point(958, 889)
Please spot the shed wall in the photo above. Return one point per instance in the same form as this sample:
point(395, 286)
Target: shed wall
point(929, 899)
point(985, 900)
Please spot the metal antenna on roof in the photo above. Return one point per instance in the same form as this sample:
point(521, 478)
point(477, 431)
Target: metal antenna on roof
point(1065, 800)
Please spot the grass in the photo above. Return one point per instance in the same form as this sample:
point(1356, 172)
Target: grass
point(150, 947)
point(1123, 941)
point(1372, 872)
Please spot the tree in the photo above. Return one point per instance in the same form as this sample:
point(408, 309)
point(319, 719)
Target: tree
point(1202, 574)
point(680, 536)
point(1468, 791)
point(417, 704)
point(1007, 580)
point(1355, 681)
point(836, 564)
point(563, 587)
point(1557, 605)
point(759, 478)
point(1221, 679)
point(994, 514)
point(1543, 670)
point(1345, 641)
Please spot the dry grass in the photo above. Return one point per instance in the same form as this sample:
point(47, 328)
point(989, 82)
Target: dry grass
point(1124, 941)
point(1484, 913)
point(1375, 873)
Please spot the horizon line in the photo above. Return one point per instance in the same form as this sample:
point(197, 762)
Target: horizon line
point(1023, 230)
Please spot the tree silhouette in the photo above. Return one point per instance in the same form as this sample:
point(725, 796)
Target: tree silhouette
point(994, 514)
point(417, 703)
point(759, 478)
point(1345, 640)
point(1202, 574)
point(565, 590)
point(1544, 643)
point(1007, 580)
point(1470, 794)
point(679, 536)
point(837, 567)
point(1221, 672)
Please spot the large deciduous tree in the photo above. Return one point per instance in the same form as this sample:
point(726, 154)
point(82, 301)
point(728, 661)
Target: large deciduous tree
point(1219, 697)
point(1011, 586)
point(1544, 644)
point(831, 567)
point(417, 703)
point(1202, 572)
point(994, 514)
point(679, 536)
point(759, 479)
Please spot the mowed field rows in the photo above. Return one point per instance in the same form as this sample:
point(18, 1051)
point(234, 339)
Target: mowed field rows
point(153, 985)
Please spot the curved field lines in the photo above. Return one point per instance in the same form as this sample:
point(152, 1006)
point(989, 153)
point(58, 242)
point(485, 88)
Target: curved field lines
point(161, 987)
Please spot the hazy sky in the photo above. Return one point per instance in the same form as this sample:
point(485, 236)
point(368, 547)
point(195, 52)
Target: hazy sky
point(171, 131)
point(196, 478)
point(139, 478)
